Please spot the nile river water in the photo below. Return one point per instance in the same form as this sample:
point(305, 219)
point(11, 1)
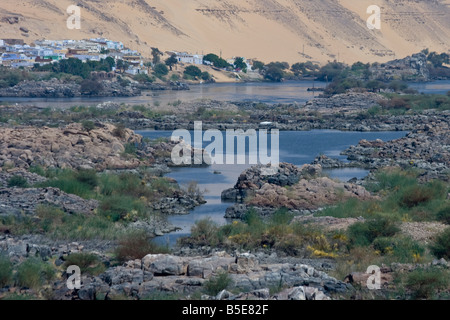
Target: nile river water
point(297, 147)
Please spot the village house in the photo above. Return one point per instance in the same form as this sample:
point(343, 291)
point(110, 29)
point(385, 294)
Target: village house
point(188, 58)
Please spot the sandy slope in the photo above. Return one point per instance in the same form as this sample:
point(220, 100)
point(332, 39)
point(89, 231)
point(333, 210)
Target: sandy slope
point(264, 29)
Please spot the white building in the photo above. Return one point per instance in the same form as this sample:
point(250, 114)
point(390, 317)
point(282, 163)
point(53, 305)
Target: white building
point(135, 71)
point(184, 57)
point(2, 43)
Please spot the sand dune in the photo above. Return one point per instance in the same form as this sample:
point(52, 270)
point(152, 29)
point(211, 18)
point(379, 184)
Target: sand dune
point(289, 30)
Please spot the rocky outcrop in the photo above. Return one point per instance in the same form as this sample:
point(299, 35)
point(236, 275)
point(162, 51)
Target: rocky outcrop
point(159, 273)
point(427, 147)
point(255, 177)
point(161, 152)
point(30, 178)
point(300, 190)
point(16, 201)
point(68, 147)
point(414, 67)
point(177, 204)
point(19, 249)
point(330, 163)
point(346, 103)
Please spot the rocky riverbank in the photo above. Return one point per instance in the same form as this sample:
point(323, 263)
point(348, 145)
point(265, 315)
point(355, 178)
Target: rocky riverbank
point(55, 88)
point(347, 112)
point(425, 148)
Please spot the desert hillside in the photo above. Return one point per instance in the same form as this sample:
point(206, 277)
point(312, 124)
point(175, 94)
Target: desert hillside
point(289, 30)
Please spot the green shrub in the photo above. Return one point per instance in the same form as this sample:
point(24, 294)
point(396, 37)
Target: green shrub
point(444, 215)
point(205, 76)
point(161, 70)
point(125, 184)
point(424, 284)
point(142, 78)
point(205, 232)
point(119, 131)
point(88, 263)
point(414, 195)
point(91, 87)
point(37, 170)
point(391, 180)
point(17, 181)
point(162, 186)
point(6, 271)
point(441, 247)
point(274, 73)
point(364, 233)
point(88, 125)
point(193, 71)
point(68, 183)
point(130, 149)
point(88, 177)
point(121, 207)
point(216, 284)
point(33, 273)
point(402, 249)
point(137, 245)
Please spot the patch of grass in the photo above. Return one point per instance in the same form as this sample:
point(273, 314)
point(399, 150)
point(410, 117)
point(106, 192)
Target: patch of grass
point(17, 181)
point(276, 232)
point(37, 170)
point(444, 215)
point(425, 284)
point(364, 233)
point(399, 249)
point(34, 273)
point(58, 225)
point(401, 196)
point(163, 186)
point(130, 149)
point(391, 180)
point(176, 103)
point(18, 297)
point(137, 245)
point(88, 263)
point(441, 247)
point(121, 207)
point(217, 283)
point(80, 183)
point(141, 108)
point(415, 194)
point(6, 271)
point(356, 260)
point(88, 177)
